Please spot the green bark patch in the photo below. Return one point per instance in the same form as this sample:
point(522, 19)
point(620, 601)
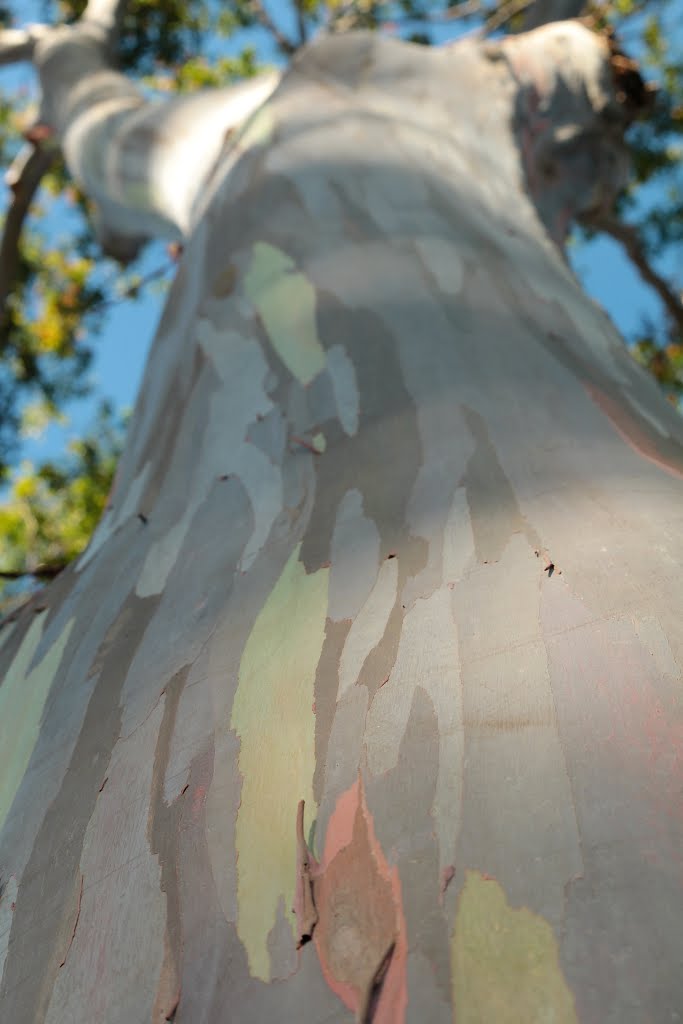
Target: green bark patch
point(285, 301)
point(274, 719)
point(505, 963)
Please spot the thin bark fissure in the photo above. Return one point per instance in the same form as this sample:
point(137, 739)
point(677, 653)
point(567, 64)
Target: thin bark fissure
point(163, 828)
point(76, 919)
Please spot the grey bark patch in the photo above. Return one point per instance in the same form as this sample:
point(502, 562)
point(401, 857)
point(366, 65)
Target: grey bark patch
point(161, 445)
point(623, 903)
point(281, 945)
point(54, 861)
point(338, 59)
point(400, 802)
point(164, 819)
point(387, 419)
point(412, 558)
point(427, 1004)
point(627, 907)
point(354, 556)
point(668, 448)
point(197, 590)
point(494, 511)
point(342, 756)
point(326, 685)
point(269, 434)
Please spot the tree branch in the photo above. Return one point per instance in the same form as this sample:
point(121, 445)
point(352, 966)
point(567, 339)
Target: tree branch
point(341, 18)
point(628, 237)
point(17, 44)
point(541, 12)
point(504, 13)
point(41, 572)
point(461, 11)
point(107, 15)
point(264, 19)
point(300, 21)
point(22, 179)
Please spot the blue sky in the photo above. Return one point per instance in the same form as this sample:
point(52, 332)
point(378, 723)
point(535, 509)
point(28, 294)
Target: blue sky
point(122, 348)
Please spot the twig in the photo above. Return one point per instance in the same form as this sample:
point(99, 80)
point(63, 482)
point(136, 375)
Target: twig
point(23, 179)
point(262, 16)
point(464, 10)
point(504, 14)
point(17, 44)
point(41, 572)
point(629, 239)
point(541, 12)
point(300, 22)
point(304, 899)
point(131, 291)
point(461, 11)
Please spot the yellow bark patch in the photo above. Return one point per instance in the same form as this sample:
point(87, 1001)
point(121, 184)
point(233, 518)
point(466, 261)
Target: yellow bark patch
point(273, 717)
point(504, 962)
point(285, 300)
point(22, 699)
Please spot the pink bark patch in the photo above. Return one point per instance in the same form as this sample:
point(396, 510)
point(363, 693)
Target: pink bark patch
point(360, 935)
point(631, 430)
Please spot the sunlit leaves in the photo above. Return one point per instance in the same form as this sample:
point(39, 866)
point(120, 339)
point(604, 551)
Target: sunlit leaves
point(199, 73)
point(665, 363)
point(51, 510)
point(43, 341)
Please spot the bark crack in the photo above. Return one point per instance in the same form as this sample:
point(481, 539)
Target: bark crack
point(76, 920)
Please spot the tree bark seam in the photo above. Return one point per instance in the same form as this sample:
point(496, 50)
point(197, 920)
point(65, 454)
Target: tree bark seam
point(76, 920)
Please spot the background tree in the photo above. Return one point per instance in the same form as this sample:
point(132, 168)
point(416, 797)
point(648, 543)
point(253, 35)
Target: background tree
point(56, 298)
point(381, 620)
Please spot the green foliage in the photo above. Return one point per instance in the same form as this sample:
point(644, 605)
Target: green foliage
point(198, 73)
point(665, 363)
point(653, 203)
point(51, 510)
point(44, 331)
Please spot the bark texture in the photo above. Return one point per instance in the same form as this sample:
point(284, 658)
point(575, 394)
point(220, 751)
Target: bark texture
point(397, 533)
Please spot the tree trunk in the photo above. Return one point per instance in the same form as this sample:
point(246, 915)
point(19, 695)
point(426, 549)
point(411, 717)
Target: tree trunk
point(397, 533)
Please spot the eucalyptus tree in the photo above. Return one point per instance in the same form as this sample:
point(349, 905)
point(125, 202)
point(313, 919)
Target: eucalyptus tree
point(365, 697)
point(57, 291)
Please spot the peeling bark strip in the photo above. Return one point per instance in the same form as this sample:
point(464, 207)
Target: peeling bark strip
point(304, 902)
point(257, 623)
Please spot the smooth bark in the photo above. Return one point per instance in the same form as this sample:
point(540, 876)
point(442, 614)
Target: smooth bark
point(397, 533)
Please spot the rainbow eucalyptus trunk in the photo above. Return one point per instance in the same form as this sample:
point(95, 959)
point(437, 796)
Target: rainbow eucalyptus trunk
point(365, 698)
